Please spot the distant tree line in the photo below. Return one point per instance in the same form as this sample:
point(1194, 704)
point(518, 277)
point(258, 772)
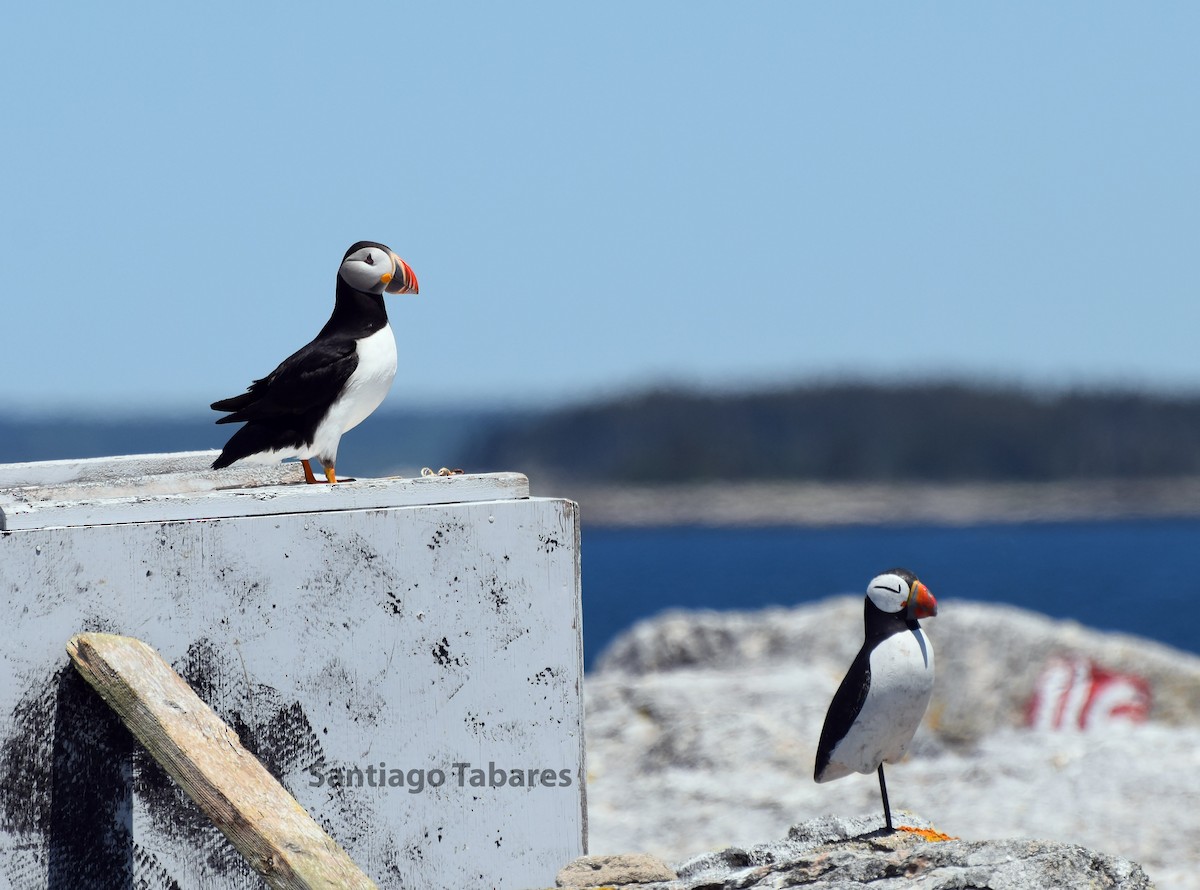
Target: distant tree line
point(854, 431)
point(836, 431)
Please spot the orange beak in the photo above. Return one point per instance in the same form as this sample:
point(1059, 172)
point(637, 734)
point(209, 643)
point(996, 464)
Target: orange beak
point(921, 603)
point(402, 280)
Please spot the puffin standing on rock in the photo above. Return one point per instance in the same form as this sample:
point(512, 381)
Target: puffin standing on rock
point(876, 710)
point(302, 408)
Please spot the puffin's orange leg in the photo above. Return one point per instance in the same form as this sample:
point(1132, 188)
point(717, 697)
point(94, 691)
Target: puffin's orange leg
point(330, 475)
point(308, 473)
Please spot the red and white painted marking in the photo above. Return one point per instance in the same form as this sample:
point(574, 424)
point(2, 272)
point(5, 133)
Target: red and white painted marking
point(1078, 693)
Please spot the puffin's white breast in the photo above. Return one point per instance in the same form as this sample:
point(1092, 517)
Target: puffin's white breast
point(363, 393)
point(901, 684)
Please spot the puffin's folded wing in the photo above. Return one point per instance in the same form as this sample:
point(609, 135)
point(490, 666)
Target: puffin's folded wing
point(847, 704)
point(310, 377)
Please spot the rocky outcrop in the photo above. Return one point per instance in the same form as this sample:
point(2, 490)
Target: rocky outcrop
point(701, 733)
point(834, 853)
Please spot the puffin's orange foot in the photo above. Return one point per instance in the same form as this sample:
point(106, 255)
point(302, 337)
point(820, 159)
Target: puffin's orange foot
point(330, 476)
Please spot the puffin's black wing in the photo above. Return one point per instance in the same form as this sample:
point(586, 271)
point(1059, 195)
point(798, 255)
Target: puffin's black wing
point(311, 377)
point(844, 709)
point(283, 409)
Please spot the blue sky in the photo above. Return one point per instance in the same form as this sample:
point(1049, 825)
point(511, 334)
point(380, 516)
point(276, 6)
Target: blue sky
point(599, 197)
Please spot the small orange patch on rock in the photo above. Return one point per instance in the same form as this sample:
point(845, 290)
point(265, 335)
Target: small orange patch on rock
point(927, 833)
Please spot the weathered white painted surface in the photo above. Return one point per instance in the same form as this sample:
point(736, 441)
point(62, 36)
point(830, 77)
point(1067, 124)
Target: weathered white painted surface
point(115, 470)
point(77, 493)
point(134, 474)
point(335, 631)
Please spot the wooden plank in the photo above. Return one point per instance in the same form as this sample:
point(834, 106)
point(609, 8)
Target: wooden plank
point(200, 752)
point(366, 494)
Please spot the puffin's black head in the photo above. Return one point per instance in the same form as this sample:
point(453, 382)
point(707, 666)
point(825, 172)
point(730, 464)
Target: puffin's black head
point(372, 268)
point(898, 590)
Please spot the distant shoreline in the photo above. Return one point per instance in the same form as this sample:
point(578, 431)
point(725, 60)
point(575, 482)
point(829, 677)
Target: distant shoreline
point(861, 503)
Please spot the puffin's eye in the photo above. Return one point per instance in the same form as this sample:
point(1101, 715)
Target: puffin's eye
point(369, 259)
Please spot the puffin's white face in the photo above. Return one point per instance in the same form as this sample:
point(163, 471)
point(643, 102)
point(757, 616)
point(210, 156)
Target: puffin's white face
point(894, 593)
point(888, 592)
point(368, 269)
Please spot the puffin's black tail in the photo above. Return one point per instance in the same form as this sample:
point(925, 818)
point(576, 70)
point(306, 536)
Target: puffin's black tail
point(223, 460)
point(250, 439)
point(232, 406)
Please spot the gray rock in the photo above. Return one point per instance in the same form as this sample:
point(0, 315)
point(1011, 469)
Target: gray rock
point(624, 869)
point(834, 853)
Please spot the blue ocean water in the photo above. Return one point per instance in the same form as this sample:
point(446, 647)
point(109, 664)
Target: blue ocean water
point(1141, 577)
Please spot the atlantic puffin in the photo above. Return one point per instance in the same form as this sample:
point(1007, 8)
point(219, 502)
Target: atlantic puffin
point(876, 710)
point(302, 408)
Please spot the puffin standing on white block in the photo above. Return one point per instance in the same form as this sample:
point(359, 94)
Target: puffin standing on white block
point(302, 408)
point(876, 710)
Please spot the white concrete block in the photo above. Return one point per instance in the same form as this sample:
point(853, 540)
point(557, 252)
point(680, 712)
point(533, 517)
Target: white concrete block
point(356, 636)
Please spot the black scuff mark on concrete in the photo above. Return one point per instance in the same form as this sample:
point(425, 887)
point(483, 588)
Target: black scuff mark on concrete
point(26, 760)
point(441, 654)
point(31, 760)
point(91, 805)
point(247, 593)
point(445, 532)
point(150, 874)
point(499, 599)
point(513, 636)
point(65, 786)
point(372, 571)
point(342, 688)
